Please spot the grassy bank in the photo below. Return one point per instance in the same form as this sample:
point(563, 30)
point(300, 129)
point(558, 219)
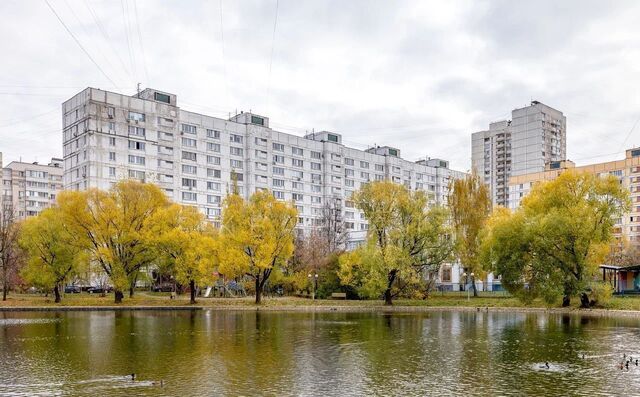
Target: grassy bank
point(153, 299)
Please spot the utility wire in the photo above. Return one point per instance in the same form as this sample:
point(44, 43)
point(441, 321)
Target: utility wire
point(126, 32)
point(78, 43)
point(273, 42)
point(224, 61)
point(144, 60)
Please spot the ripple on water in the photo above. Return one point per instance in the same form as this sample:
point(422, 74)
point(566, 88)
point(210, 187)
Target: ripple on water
point(25, 321)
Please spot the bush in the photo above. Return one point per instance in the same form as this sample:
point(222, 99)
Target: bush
point(600, 294)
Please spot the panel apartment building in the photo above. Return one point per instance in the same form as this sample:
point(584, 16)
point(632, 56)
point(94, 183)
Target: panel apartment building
point(534, 137)
point(30, 187)
point(194, 157)
point(626, 170)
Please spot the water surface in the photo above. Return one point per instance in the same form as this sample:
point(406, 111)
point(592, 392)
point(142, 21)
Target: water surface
point(213, 353)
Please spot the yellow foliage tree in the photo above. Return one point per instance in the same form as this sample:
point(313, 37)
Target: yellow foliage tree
point(115, 228)
point(187, 244)
point(52, 256)
point(257, 237)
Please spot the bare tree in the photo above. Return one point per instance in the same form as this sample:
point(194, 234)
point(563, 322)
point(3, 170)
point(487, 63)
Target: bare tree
point(9, 249)
point(332, 227)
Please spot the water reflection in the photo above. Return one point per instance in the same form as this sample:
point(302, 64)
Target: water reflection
point(270, 353)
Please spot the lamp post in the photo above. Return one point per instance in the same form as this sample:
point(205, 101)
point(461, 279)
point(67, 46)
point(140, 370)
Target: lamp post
point(466, 282)
point(314, 284)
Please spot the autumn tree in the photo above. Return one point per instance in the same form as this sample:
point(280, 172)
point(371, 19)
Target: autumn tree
point(10, 253)
point(114, 228)
point(553, 244)
point(405, 238)
point(332, 227)
point(52, 257)
point(186, 243)
point(256, 238)
point(470, 204)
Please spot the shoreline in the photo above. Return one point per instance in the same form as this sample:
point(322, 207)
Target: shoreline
point(326, 308)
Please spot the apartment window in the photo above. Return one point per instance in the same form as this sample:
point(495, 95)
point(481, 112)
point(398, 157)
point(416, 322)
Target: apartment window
point(261, 141)
point(348, 161)
point(135, 174)
point(257, 120)
point(316, 200)
point(136, 145)
point(135, 116)
point(213, 212)
point(189, 129)
point(297, 185)
point(348, 172)
point(262, 167)
point(189, 142)
point(380, 167)
point(112, 171)
point(137, 131)
point(214, 186)
point(332, 138)
point(161, 97)
point(213, 147)
point(112, 141)
point(238, 177)
point(235, 151)
point(364, 164)
point(316, 188)
point(277, 182)
point(396, 170)
point(189, 156)
point(278, 147)
point(261, 179)
point(165, 136)
point(297, 197)
point(213, 134)
point(236, 163)
point(349, 182)
point(278, 159)
point(189, 196)
point(235, 138)
point(316, 155)
point(111, 112)
point(261, 154)
point(393, 152)
point(213, 173)
point(364, 175)
point(112, 156)
point(336, 179)
point(316, 166)
point(112, 127)
point(297, 151)
point(278, 171)
point(136, 160)
point(215, 160)
point(316, 178)
point(189, 169)
point(297, 163)
point(297, 174)
point(211, 199)
point(278, 194)
point(190, 183)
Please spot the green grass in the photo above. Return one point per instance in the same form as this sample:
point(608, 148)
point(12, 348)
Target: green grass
point(163, 299)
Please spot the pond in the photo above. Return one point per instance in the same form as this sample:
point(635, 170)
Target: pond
point(213, 353)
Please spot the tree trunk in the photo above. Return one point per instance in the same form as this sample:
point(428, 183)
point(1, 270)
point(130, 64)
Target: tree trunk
point(4, 282)
point(56, 292)
point(118, 296)
point(473, 286)
point(584, 301)
point(258, 291)
point(388, 298)
point(566, 301)
point(131, 291)
point(192, 287)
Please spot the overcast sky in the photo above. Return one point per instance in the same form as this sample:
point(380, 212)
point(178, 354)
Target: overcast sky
point(420, 76)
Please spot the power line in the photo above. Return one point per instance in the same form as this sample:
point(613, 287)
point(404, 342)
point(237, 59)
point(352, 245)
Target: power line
point(126, 32)
point(273, 42)
point(224, 61)
point(629, 134)
point(144, 60)
point(78, 43)
point(14, 121)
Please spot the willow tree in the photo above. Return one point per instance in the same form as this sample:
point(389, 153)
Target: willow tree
point(405, 238)
point(553, 244)
point(257, 237)
point(186, 245)
point(470, 204)
point(114, 227)
point(52, 257)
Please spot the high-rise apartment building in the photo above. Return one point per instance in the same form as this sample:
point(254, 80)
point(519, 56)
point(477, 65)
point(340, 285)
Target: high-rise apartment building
point(194, 157)
point(31, 187)
point(535, 136)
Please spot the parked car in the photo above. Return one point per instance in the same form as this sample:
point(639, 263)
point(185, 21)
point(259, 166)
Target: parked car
point(99, 290)
point(163, 287)
point(72, 289)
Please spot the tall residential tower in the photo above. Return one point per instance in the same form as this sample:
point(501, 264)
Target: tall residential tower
point(534, 137)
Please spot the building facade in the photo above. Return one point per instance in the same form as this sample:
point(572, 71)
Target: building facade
point(31, 187)
point(626, 170)
point(194, 157)
point(534, 137)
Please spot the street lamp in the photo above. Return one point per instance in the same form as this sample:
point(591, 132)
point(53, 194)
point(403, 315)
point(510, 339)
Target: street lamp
point(314, 284)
